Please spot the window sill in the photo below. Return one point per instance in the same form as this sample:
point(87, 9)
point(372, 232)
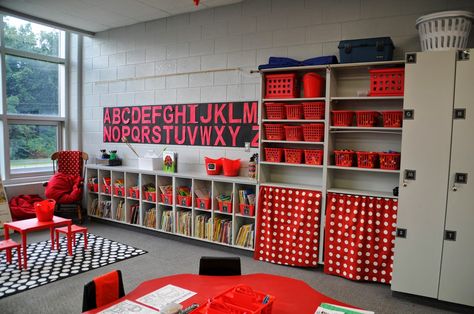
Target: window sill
point(26, 181)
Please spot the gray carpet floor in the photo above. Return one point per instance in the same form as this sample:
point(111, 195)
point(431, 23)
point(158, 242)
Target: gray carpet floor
point(173, 255)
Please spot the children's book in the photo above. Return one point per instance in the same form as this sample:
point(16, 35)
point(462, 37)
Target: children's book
point(170, 161)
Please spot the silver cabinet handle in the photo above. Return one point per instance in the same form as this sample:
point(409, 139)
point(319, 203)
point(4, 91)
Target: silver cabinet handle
point(454, 188)
point(405, 183)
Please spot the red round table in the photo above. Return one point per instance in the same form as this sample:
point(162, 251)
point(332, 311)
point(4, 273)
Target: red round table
point(291, 295)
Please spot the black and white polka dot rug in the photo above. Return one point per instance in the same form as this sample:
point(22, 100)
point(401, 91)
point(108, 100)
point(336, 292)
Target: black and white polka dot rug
point(46, 265)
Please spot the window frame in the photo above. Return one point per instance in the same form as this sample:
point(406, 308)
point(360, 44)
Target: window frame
point(61, 120)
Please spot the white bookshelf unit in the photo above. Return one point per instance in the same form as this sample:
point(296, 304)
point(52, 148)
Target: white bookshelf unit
point(173, 217)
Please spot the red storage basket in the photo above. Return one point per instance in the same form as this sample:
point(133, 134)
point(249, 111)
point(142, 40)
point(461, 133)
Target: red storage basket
point(313, 132)
point(313, 85)
point(150, 196)
point(314, 110)
point(344, 158)
point(392, 119)
point(94, 187)
point(167, 198)
point(274, 131)
point(342, 117)
point(231, 167)
point(274, 111)
point(225, 206)
point(389, 161)
point(293, 132)
point(203, 203)
point(107, 189)
point(45, 210)
point(281, 86)
point(273, 154)
point(213, 166)
point(184, 200)
point(293, 156)
point(294, 112)
point(313, 156)
point(367, 159)
point(133, 193)
point(119, 191)
point(387, 82)
point(366, 118)
point(247, 209)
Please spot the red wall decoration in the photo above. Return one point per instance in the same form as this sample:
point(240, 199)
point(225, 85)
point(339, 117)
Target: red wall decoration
point(228, 124)
point(359, 237)
point(288, 226)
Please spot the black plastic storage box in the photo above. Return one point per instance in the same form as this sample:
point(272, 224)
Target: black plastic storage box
point(366, 50)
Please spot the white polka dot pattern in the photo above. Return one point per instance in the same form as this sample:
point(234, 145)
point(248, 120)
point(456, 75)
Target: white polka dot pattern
point(359, 237)
point(288, 226)
point(70, 162)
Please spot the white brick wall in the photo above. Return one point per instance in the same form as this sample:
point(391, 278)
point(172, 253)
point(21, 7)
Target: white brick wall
point(119, 64)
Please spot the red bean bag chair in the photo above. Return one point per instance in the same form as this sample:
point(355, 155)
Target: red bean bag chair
point(21, 206)
point(64, 188)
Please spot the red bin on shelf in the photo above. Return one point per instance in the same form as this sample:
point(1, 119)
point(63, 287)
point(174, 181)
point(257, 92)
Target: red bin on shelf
point(366, 118)
point(314, 110)
point(313, 132)
point(342, 117)
point(231, 167)
point(389, 161)
point(313, 85)
point(367, 159)
point(344, 158)
point(274, 111)
point(281, 86)
point(213, 166)
point(134, 193)
point(225, 206)
point(293, 156)
point(247, 209)
point(185, 200)
point(167, 198)
point(313, 156)
point(387, 82)
point(273, 154)
point(293, 133)
point(150, 196)
point(203, 203)
point(107, 189)
point(294, 111)
point(274, 132)
point(392, 119)
point(119, 191)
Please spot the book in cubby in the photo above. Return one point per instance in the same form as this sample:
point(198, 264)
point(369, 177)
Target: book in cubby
point(222, 230)
point(203, 227)
point(167, 220)
point(135, 213)
point(149, 218)
point(93, 208)
point(120, 210)
point(105, 209)
point(183, 222)
point(245, 236)
point(247, 201)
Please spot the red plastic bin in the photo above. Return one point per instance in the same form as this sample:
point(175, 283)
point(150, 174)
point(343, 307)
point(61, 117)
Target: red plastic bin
point(293, 132)
point(314, 110)
point(389, 161)
point(167, 198)
point(313, 156)
point(150, 196)
point(281, 86)
point(119, 191)
point(313, 132)
point(231, 167)
point(274, 111)
point(344, 158)
point(107, 189)
point(213, 166)
point(133, 193)
point(293, 156)
point(392, 119)
point(184, 200)
point(366, 118)
point(387, 82)
point(342, 117)
point(274, 131)
point(367, 159)
point(313, 85)
point(294, 112)
point(93, 187)
point(247, 209)
point(225, 206)
point(273, 154)
point(203, 203)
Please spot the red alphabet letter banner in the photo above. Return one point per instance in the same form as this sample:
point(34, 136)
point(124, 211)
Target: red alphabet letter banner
point(360, 236)
point(229, 124)
point(288, 226)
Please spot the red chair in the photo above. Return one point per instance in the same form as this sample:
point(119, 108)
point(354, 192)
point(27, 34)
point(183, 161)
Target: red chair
point(103, 290)
point(74, 230)
point(9, 245)
point(66, 186)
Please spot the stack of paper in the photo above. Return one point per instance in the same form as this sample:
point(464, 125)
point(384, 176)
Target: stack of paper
point(326, 308)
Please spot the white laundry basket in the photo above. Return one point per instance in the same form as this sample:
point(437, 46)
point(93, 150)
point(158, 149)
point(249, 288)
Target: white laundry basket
point(444, 30)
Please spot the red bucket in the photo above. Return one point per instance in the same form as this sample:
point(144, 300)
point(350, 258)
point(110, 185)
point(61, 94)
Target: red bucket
point(213, 166)
point(231, 167)
point(45, 210)
point(313, 85)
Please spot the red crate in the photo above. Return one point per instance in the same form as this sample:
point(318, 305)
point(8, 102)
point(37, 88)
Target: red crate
point(119, 191)
point(274, 111)
point(107, 189)
point(389, 161)
point(392, 119)
point(247, 209)
point(342, 117)
point(313, 156)
point(167, 198)
point(93, 187)
point(184, 200)
point(225, 206)
point(281, 86)
point(313, 132)
point(314, 110)
point(367, 159)
point(366, 118)
point(203, 203)
point(293, 132)
point(240, 299)
point(387, 82)
point(293, 156)
point(274, 131)
point(294, 112)
point(273, 154)
point(344, 158)
point(150, 196)
point(133, 193)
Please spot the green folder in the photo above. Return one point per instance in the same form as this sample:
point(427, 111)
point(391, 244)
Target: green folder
point(346, 310)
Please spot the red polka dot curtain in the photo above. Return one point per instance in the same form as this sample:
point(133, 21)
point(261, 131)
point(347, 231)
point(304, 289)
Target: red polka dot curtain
point(359, 237)
point(288, 226)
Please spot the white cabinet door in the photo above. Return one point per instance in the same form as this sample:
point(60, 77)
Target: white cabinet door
point(457, 271)
point(429, 91)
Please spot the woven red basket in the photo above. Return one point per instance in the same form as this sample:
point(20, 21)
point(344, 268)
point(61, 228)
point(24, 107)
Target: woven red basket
point(294, 132)
point(314, 110)
point(366, 118)
point(294, 112)
point(344, 158)
point(273, 154)
point(367, 159)
point(281, 86)
point(293, 156)
point(313, 156)
point(342, 117)
point(389, 161)
point(274, 131)
point(313, 132)
point(274, 111)
point(387, 82)
point(392, 119)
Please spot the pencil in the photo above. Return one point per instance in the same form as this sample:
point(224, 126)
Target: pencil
point(124, 139)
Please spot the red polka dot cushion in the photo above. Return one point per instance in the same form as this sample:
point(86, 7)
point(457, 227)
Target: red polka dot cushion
point(70, 162)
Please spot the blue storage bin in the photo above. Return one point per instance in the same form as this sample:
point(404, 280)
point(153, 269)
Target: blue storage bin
point(366, 50)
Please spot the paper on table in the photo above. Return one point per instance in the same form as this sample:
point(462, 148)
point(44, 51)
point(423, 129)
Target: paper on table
point(165, 295)
point(321, 310)
point(343, 309)
point(128, 306)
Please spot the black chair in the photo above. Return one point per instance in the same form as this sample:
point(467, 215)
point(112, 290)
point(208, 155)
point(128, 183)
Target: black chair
point(107, 282)
point(219, 266)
